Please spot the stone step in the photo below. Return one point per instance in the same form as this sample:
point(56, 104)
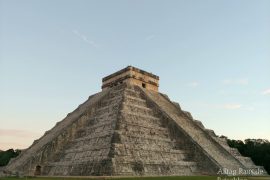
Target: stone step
point(201, 137)
point(130, 105)
point(79, 161)
point(131, 90)
point(105, 115)
point(50, 141)
point(246, 161)
point(148, 148)
point(127, 129)
point(149, 143)
point(108, 117)
point(152, 145)
point(138, 109)
point(221, 141)
point(114, 98)
point(87, 149)
point(98, 125)
point(90, 155)
point(102, 110)
point(170, 170)
point(151, 155)
point(140, 118)
point(96, 142)
point(95, 135)
point(143, 125)
point(110, 100)
point(126, 169)
point(134, 98)
point(135, 101)
point(234, 151)
point(115, 93)
point(110, 108)
point(147, 137)
point(133, 93)
point(130, 160)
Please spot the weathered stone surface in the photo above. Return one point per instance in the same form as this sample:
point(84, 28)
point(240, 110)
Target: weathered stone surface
point(214, 150)
point(128, 130)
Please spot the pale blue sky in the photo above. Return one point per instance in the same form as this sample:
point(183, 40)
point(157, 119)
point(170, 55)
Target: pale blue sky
point(213, 57)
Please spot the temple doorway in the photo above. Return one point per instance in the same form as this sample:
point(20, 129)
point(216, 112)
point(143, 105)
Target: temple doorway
point(38, 170)
point(143, 85)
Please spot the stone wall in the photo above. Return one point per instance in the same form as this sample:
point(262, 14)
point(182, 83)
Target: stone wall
point(128, 131)
point(46, 148)
point(212, 150)
point(133, 76)
point(145, 144)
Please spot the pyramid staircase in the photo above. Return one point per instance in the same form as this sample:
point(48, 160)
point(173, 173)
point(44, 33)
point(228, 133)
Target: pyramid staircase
point(126, 131)
point(122, 137)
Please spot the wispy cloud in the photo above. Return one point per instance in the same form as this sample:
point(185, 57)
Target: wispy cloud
point(239, 81)
point(85, 38)
point(266, 92)
point(18, 133)
point(193, 84)
point(149, 37)
point(232, 106)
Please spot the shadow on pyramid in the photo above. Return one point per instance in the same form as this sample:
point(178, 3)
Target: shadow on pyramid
point(130, 129)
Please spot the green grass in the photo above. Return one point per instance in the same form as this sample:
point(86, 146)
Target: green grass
point(138, 178)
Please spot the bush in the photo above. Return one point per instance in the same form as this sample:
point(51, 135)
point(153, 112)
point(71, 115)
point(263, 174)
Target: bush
point(5, 156)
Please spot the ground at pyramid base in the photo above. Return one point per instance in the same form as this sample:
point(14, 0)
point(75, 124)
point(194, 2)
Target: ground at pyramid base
point(131, 129)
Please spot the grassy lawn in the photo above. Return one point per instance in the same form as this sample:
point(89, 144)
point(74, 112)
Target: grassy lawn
point(140, 178)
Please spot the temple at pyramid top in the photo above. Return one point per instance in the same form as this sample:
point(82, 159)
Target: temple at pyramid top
point(133, 76)
point(130, 129)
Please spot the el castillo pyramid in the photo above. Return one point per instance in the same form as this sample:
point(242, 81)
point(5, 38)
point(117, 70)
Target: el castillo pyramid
point(129, 129)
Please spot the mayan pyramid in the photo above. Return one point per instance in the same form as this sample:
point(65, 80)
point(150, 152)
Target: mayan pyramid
point(128, 129)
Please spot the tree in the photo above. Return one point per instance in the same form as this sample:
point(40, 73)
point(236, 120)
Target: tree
point(5, 156)
point(257, 149)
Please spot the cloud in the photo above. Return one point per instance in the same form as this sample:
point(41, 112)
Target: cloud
point(149, 37)
point(18, 133)
point(193, 84)
point(232, 106)
point(85, 38)
point(266, 92)
point(239, 81)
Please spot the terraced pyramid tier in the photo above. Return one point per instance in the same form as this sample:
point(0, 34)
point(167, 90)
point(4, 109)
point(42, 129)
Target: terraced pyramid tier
point(125, 131)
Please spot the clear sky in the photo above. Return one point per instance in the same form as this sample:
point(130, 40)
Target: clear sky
point(213, 57)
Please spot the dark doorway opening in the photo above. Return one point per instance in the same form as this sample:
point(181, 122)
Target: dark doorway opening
point(143, 85)
point(38, 170)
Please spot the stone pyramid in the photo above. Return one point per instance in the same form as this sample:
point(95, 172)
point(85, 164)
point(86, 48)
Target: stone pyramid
point(129, 129)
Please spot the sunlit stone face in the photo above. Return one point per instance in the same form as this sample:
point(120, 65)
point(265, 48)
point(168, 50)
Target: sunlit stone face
point(133, 76)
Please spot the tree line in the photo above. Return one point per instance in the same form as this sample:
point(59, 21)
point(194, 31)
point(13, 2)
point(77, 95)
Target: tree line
point(5, 156)
point(257, 149)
